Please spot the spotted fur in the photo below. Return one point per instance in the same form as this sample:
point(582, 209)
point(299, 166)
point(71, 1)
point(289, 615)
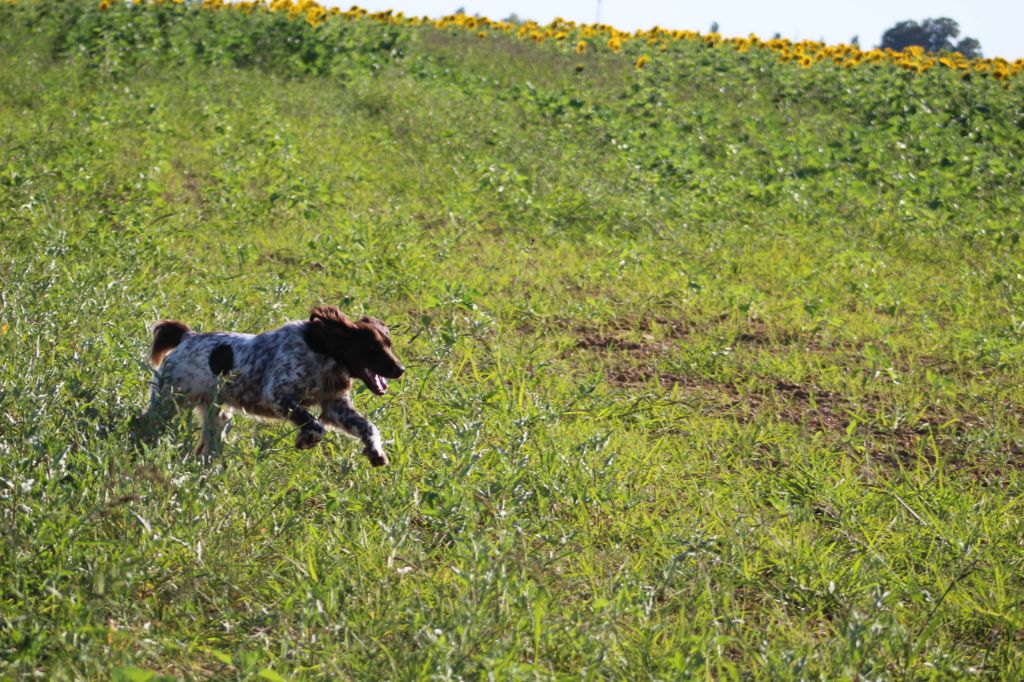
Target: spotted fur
point(279, 374)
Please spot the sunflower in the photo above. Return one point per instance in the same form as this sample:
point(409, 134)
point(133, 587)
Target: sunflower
point(315, 15)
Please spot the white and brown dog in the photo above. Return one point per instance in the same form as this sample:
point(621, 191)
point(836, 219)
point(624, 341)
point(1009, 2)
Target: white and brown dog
point(277, 375)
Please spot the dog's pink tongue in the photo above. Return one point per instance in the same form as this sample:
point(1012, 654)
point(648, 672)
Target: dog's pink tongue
point(379, 383)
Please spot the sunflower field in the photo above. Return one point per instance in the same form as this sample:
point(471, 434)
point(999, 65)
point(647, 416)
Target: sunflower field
point(714, 349)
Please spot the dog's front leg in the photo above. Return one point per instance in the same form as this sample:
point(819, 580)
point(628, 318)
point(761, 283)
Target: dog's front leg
point(311, 431)
point(342, 415)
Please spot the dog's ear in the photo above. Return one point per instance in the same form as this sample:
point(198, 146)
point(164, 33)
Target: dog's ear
point(329, 331)
point(329, 313)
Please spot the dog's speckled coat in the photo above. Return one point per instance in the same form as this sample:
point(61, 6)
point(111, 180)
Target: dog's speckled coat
point(277, 375)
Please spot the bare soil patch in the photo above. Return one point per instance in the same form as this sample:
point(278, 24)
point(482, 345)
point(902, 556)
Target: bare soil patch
point(631, 357)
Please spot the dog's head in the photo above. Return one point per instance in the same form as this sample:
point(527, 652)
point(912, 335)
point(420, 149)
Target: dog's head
point(363, 347)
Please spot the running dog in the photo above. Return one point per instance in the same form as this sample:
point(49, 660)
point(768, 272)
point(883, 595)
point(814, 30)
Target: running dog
point(277, 375)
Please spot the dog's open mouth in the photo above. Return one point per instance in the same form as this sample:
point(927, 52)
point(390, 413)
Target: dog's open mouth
point(375, 382)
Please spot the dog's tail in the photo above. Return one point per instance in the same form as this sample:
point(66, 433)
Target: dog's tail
point(167, 334)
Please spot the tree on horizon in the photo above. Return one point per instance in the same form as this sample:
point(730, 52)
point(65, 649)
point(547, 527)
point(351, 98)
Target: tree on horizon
point(934, 35)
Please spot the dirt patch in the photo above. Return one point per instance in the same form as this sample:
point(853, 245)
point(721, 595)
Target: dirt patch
point(815, 410)
point(760, 334)
point(592, 341)
point(631, 348)
point(629, 340)
point(193, 186)
point(647, 345)
point(639, 376)
point(638, 323)
point(619, 332)
point(190, 185)
point(672, 329)
point(829, 412)
point(803, 404)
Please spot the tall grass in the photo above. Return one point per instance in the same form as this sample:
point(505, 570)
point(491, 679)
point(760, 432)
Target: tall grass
point(714, 367)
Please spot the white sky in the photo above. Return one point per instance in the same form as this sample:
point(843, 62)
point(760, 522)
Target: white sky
point(997, 24)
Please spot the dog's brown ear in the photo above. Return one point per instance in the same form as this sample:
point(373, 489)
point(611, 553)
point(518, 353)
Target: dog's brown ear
point(329, 331)
point(329, 313)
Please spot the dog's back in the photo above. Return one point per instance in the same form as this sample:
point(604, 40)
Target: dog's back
point(196, 365)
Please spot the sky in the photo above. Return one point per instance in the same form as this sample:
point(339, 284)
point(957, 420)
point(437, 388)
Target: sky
point(997, 24)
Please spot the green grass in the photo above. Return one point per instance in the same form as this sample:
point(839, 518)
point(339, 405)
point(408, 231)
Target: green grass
point(714, 368)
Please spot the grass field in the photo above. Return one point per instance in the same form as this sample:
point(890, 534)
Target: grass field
point(714, 366)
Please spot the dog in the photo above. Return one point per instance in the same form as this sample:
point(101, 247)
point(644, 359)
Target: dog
point(276, 375)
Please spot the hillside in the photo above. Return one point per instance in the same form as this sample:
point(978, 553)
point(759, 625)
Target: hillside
point(714, 358)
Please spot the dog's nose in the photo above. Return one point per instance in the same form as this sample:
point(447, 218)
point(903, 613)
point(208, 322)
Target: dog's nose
point(399, 371)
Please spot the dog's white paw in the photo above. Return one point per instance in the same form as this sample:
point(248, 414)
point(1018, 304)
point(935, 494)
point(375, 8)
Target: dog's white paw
point(377, 457)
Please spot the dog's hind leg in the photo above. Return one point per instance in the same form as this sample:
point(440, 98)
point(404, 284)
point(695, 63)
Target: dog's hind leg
point(161, 408)
point(161, 398)
point(214, 421)
point(154, 391)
